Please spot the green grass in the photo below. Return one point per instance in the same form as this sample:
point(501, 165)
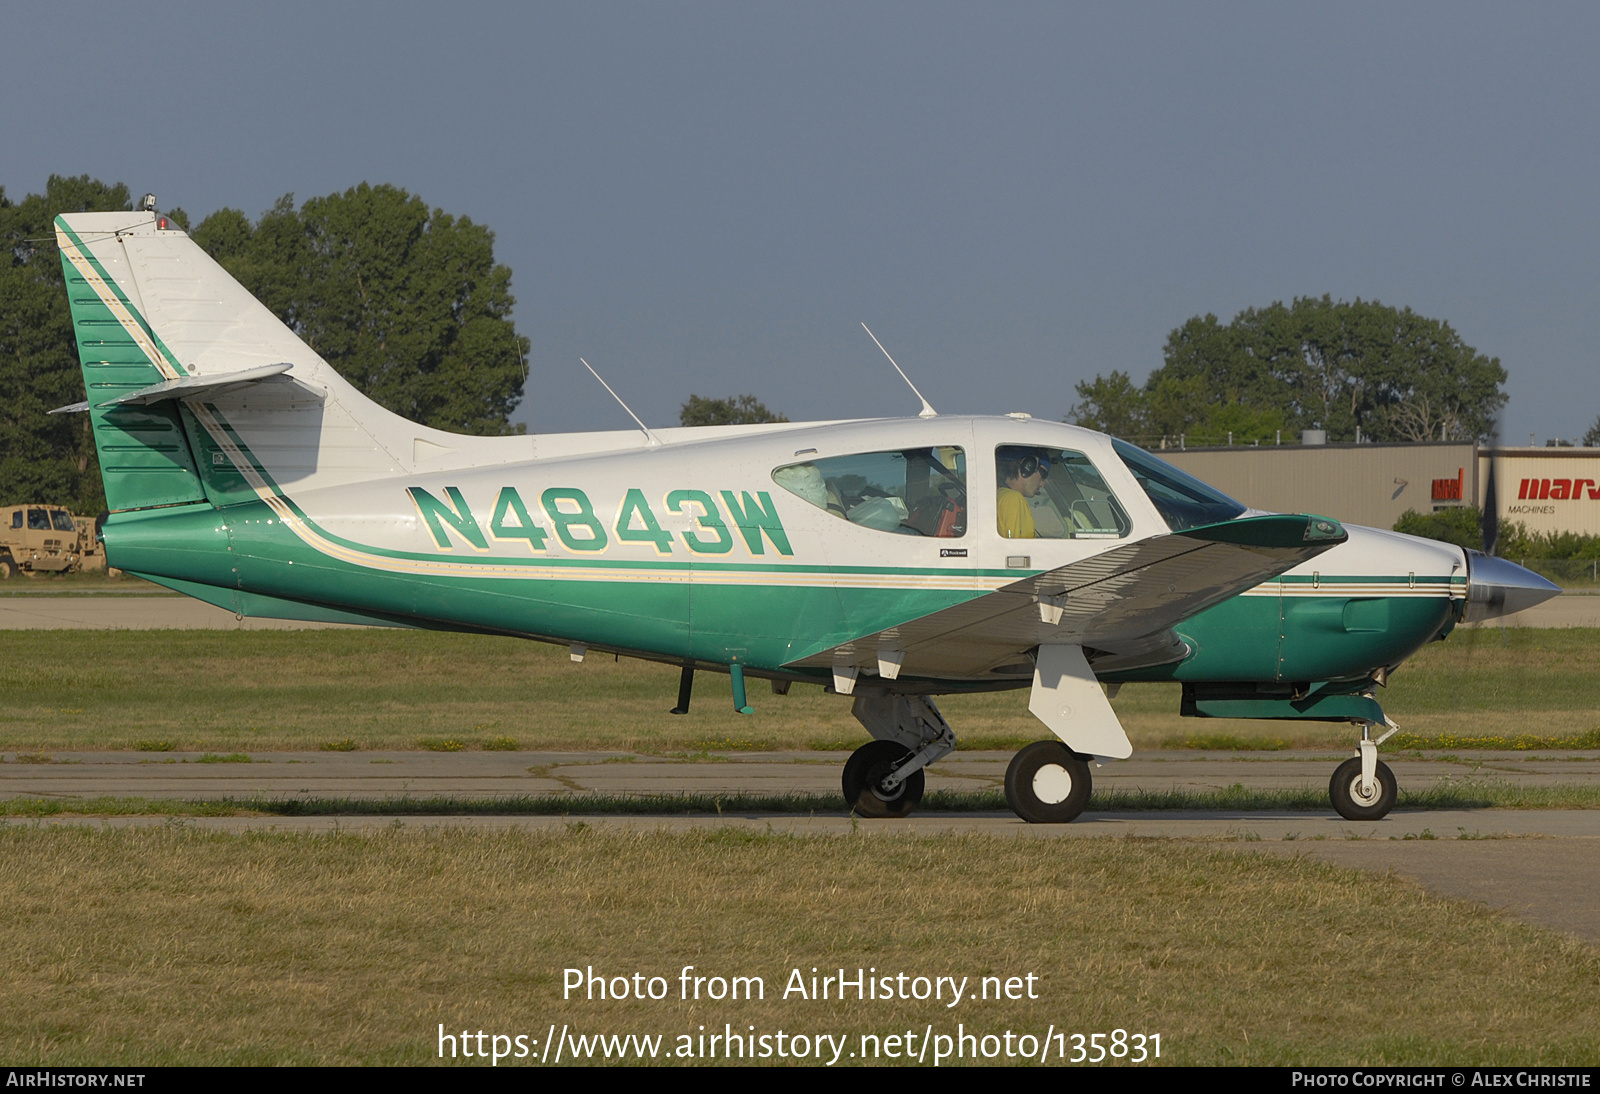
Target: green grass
point(95, 583)
point(254, 691)
point(172, 946)
point(1522, 742)
point(1226, 742)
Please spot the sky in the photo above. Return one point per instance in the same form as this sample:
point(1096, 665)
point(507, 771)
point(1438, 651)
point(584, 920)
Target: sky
point(711, 198)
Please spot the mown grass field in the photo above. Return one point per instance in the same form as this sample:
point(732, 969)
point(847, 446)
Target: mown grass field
point(173, 946)
point(228, 691)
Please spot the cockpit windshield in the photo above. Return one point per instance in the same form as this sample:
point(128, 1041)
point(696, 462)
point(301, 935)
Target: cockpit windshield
point(1182, 500)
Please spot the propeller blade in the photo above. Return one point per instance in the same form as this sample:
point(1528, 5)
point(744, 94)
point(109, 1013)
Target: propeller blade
point(1490, 522)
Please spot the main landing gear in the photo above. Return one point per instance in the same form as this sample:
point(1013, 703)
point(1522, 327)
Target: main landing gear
point(1047, 783)
point(884, 778)
point(868, 788)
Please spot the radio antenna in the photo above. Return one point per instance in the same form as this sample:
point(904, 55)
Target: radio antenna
point(927, 410)
point(653, 438)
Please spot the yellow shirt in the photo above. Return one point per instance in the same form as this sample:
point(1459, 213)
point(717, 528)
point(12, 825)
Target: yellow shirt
point(1015, 515)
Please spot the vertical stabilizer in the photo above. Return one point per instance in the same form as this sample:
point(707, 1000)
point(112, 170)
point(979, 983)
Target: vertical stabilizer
point(220, 401)
point(145, 457)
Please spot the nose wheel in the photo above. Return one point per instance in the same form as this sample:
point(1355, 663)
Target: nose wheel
point(864, 773)
point(1047, 784)
point(1353, 801)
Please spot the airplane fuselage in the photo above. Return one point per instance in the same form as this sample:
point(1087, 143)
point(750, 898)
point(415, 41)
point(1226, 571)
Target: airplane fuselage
point(692, 551)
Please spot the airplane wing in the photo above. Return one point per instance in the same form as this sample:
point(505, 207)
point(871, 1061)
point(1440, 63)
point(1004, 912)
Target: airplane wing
point(1123, 601)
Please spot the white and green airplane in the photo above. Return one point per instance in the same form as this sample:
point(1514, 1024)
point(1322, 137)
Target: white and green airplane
point(887, 560)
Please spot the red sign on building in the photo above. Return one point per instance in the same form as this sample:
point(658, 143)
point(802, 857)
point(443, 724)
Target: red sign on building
point(1449, 489)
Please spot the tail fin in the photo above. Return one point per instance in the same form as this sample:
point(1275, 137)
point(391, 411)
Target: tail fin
point(198, 393)
point(145, 458)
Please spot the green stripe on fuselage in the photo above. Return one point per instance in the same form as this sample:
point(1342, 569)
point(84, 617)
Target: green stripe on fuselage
point(761, 625)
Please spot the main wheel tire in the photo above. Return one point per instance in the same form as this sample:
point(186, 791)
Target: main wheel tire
point(1344, 789)
point(866, 768)
point(1047, 784)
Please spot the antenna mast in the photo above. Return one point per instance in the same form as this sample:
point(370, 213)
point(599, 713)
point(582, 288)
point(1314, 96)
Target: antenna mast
point(927, 410)
point(653, 438)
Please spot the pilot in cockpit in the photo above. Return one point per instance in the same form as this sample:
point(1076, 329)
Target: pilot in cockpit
point(1021, 472)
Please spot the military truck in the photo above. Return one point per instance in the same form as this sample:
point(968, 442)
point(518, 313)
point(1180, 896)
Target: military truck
point(37, 539)
point(91, 550)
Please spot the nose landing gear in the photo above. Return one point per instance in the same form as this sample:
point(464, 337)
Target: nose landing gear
point(1354, 799)
point(1363, 787)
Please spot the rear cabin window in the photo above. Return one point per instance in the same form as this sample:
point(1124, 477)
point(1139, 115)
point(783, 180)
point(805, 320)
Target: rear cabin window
point(911, 492)
point(1054, 493)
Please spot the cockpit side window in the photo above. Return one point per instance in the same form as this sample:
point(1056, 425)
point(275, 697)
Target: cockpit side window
point(1054, 493)
point(911, 492)
point(1182, 500)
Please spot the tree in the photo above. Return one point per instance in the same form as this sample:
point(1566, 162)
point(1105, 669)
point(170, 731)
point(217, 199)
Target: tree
point(1460, 525)
point(405, 302)
point(1463, 526)
point(1112, 404)
point(734, 410)
point(1591, 439)
point(1316, 363)
point(44, 457)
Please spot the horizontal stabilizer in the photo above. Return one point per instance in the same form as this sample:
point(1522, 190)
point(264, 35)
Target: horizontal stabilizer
point(192, 387)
